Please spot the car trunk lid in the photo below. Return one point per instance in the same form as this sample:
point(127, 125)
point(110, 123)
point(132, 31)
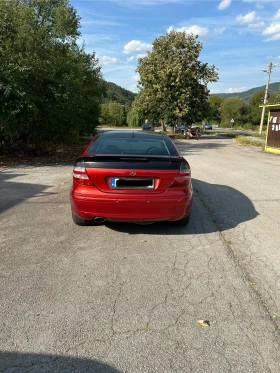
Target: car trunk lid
point(130, 175)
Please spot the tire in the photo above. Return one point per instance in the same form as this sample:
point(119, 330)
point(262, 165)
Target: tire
point(80, 221)
point(182, 222)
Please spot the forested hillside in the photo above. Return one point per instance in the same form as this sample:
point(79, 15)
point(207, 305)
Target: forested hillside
point(118, 94)
point(246, 95)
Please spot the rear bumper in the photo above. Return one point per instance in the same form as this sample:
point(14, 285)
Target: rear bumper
point(162, 207)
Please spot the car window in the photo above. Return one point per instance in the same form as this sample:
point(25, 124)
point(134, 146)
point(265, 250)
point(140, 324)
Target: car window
point(157, 146)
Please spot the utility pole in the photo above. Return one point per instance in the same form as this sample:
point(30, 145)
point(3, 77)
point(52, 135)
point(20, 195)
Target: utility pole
point(266, 93)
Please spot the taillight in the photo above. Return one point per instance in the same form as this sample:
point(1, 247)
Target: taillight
point(183, 176)
point(80, 175)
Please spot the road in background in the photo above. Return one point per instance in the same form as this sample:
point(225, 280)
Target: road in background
point(128, 298)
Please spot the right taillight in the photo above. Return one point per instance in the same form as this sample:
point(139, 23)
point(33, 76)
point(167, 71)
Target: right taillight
point(80, 175)
point(183, 176)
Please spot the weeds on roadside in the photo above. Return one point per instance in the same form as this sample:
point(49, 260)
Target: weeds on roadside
point(250, 140)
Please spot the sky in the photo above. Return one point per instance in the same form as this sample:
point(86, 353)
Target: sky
point(239, 37)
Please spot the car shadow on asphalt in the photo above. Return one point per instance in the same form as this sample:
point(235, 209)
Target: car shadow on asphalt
point(216, 208)
point(14, 192)
point(40, 363)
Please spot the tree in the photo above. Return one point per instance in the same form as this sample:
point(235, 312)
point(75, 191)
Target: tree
point(254, 114)
point(113, 114)
point(274, 98)
point(50, 89)
point(233, 108)
point(214, 108)
point(173, 82)
point(132, 118)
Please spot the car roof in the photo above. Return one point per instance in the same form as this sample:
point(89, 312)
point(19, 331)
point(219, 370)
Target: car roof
point(132, 134)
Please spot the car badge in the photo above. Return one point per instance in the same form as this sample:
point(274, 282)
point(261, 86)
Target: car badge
point(132, 173)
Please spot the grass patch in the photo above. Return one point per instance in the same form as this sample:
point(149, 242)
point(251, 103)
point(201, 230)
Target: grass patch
point(249, 140)
point(260, 136)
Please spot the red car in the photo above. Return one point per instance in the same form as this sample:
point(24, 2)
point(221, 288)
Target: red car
point(131, 176)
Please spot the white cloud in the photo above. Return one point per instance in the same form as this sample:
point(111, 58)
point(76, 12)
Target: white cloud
point(272, 29)
point(224, 4)
point(236, 90)
point(277, 16)
point(259, 3)
point(273, 37)
point(141, 55)
point(248, 18)
point(256, 25)
point(214, 91)
point(219, 31)
point(103, 23)
point(131, 58)
point(136, 46)
point(107, 61)
point(135, 77)
point(195, 30)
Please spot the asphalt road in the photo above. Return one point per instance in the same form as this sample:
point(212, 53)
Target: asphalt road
point(127, 298)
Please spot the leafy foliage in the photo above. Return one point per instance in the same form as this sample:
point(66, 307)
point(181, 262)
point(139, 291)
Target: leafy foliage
point(133, 118)
point(50, 89)
point(113, 114)
point(254, 114)
point(213, 111)
point(233, 108)
point(115, 93)
point(173, 82)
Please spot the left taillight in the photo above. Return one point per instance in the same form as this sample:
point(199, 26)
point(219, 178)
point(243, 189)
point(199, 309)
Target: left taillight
point(80, 175)
point(183, 177)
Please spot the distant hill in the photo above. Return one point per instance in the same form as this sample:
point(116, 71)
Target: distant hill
point(273, 87)
point(122, 96)
point(118, 94)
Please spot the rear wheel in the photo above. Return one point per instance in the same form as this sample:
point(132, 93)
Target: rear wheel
point(182, 222)
point(80, 221)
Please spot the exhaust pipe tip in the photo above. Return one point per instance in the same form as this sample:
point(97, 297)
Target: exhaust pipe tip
point(99, 220)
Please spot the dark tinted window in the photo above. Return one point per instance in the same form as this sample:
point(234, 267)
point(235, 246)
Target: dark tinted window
point(154, 145)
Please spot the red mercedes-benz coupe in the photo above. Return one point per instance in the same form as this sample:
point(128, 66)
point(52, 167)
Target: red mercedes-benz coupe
point(131, 176)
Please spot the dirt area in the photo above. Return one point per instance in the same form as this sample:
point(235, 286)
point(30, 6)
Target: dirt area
point(65, 154)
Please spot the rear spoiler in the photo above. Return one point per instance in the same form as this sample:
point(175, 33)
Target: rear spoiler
point(124, 158)
point(131, 162)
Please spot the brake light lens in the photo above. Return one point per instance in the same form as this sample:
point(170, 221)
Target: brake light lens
point(80, 175)
point(183, 178)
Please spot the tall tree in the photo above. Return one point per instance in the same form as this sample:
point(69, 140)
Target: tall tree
point(233, 108)
point(213, 111)
point(254, 110)
point(113, 114)
point(132, 118)
point(50, 89)
point(173, 82)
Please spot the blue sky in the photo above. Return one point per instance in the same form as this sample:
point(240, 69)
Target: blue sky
point(240, 37)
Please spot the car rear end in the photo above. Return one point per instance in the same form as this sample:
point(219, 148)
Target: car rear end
point(136, 185)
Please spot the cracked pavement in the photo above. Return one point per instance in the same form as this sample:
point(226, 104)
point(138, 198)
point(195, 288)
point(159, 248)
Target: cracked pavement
point(127, 298)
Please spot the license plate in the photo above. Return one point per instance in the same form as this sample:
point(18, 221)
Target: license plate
point(132, 183)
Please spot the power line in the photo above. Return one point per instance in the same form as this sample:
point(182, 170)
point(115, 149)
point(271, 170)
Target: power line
point(242, 83)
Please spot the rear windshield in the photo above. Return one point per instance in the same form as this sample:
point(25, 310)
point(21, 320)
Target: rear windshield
point(133, 146)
